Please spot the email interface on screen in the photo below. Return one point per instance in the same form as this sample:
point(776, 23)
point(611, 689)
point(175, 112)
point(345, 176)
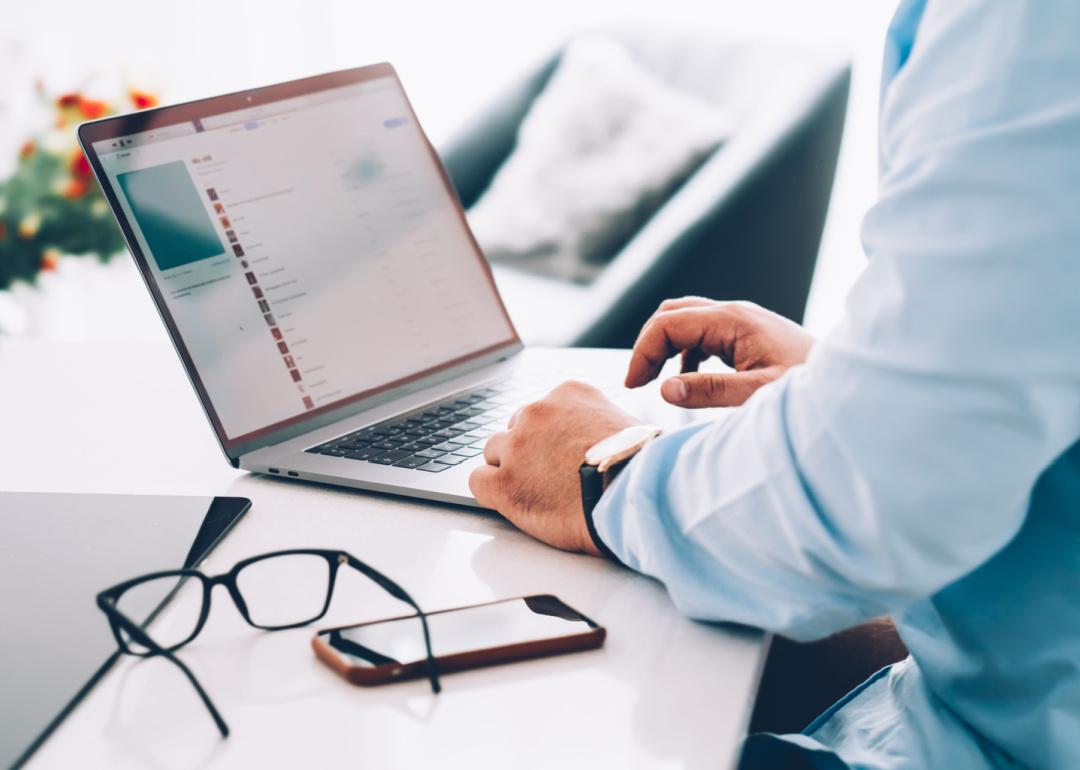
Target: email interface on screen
point(307, 250)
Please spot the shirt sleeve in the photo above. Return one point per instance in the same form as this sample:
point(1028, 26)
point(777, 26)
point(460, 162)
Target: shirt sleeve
point(903, 453)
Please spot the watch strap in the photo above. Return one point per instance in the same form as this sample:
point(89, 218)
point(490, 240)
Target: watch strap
point(592, 488)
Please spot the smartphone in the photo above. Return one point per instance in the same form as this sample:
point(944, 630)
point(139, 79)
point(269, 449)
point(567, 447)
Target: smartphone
point(461, 638)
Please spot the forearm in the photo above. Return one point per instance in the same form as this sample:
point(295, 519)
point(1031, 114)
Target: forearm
point(815, 506)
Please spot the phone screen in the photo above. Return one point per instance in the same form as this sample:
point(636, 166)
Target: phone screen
point(462, 630)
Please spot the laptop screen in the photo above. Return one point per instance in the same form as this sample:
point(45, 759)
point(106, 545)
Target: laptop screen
point(307, 250)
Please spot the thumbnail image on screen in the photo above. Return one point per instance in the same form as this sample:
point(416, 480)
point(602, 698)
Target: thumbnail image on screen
point(170, 214)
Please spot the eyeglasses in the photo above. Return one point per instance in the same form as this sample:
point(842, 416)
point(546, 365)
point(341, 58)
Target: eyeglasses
point(272, 592)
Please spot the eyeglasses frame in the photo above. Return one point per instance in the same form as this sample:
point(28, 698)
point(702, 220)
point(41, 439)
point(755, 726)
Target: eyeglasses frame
point(121, 623)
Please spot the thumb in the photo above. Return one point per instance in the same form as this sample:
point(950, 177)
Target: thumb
point(696, 390)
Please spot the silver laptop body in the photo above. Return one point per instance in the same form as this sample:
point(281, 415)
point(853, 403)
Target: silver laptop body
point(315, 271)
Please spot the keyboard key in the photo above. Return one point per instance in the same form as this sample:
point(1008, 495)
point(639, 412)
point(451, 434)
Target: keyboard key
point(353, 444)
point(387, 430)
point(450, 459)
point(462, 440)
point(417, 431)
point(364, 454)
point(411, 462)
point(434, 467)
point(391, 457)
point(429, 440)
point(430, 454)
point(468, 451)
point(331, 451)
point(447, 433)
point(446, 446)
point(389, 444)
point(471, 411)
point(467, 425)
point(478, 434)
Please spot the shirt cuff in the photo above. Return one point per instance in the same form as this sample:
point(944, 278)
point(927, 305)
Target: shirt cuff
point(641, 476)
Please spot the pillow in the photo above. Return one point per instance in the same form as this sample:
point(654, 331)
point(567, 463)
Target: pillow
point(599, 151)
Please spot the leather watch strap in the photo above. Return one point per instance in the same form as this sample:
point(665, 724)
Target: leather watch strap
point(592, 488)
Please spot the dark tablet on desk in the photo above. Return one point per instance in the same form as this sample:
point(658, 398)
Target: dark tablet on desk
point(57, 551)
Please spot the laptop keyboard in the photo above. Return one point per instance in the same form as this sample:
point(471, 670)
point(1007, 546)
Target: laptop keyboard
point(438, 436)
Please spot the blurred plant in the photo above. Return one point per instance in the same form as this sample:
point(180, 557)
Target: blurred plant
point(51, 206)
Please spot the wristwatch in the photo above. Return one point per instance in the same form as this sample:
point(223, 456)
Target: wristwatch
point(602, 463)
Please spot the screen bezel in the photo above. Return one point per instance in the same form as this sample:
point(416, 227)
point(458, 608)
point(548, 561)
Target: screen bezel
point(283, 430)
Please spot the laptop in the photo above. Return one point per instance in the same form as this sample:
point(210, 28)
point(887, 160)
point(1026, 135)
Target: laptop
point(312, 263)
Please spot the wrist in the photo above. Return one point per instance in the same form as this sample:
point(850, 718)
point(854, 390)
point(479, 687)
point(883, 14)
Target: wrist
point(602, 463)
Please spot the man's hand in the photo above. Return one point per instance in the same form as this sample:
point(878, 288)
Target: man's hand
point(758, 344)
point(532, 473)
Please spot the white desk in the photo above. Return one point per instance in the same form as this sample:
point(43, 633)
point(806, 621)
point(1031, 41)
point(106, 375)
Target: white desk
point(663, 692)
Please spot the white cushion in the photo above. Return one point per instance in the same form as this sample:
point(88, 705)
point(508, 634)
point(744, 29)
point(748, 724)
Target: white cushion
point(598, 152)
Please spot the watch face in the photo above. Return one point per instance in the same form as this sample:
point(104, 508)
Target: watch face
point(620, 445)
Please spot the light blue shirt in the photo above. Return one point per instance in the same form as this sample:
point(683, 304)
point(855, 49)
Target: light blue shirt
point(925, 462)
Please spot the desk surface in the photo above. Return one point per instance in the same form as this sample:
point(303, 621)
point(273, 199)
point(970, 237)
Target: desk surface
point(663, 692)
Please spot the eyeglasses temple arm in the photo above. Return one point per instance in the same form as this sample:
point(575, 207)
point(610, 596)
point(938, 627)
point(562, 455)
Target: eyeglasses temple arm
point(400, 593)
point(432, 666)
point(140, 636)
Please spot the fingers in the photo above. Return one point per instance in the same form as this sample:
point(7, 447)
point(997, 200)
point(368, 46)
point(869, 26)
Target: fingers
point(495, 447)
point(697, 390)
point(691, 360)
point(706, 329)
point(484, 484)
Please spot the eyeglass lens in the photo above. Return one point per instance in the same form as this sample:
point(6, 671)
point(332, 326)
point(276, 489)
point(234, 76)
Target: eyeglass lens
point(278, 591)
point(285, 590)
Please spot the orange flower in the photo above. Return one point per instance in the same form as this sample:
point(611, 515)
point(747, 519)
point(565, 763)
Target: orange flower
point(29, 226)
point(92, 108)
point(142, 99)
point(68, 100)
point(79, 165)
point(76, 188)
point(50, 259)
point(27, 149)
